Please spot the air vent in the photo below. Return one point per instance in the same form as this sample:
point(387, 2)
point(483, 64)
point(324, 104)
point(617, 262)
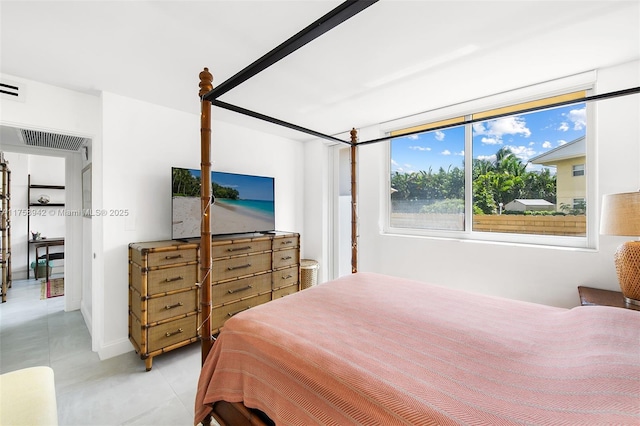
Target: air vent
point(10, 90)
point(52, 140)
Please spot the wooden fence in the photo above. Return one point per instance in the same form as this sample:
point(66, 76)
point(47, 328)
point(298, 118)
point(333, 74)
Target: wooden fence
point(574, 226)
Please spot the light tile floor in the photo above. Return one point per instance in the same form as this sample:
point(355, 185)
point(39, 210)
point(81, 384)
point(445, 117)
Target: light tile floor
point(116, 391)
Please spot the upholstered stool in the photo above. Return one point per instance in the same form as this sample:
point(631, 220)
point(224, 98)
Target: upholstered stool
point(28, 397)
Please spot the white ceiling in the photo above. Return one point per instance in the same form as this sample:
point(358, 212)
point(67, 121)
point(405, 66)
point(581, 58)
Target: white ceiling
point(394, 59)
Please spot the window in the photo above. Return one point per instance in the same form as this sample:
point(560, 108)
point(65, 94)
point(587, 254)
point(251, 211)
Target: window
point(428, 180)
point(508, 177)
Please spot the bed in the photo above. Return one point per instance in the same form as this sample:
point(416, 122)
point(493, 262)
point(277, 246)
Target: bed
point(374, 349)
point(370, 349)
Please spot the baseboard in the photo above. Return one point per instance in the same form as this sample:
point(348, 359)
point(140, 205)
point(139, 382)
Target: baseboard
point(87, 317)
point(116, 348)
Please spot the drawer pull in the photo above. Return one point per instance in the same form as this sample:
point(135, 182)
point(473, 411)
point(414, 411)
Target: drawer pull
point(238, 290)
point(230, 314)
point(286, 277)
point(175, 256)
point(178, 331)
point(287, 242)
point(286, 258)
point(231, 268)
point(170, 280)
point(285, 294)
point(167, 307)
point(239, 248)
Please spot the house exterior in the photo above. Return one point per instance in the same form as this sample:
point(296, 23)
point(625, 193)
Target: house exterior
point(570, 162)
point(521, 205)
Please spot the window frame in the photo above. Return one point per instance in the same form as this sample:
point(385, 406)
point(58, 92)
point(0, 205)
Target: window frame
point(578, 168)
point(491, 103)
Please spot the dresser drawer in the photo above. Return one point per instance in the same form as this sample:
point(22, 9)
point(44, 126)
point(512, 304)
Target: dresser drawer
point(284, 258)
point(283, 242)
point(155, 254)
point(237, 247)
point(240, 289)
point(169, 333)
point(221, 314)
point(169, 279)
point(173, 305)
point(285, 277)
point(241, 266)
point(285, 291)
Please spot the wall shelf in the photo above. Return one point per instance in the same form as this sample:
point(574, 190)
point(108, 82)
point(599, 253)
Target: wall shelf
point(58, 190)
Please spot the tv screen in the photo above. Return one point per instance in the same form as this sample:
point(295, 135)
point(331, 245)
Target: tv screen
point(241, 203)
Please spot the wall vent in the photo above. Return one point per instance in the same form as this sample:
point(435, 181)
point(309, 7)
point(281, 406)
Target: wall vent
point(10, 90)
point(52, 140)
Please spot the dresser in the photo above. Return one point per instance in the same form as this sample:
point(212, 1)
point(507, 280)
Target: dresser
point(163, 297)
point(164, 307)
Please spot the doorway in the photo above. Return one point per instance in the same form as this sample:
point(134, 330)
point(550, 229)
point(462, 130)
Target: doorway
point(49, 167)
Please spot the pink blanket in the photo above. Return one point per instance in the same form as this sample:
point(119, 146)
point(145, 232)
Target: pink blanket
point(371, 349)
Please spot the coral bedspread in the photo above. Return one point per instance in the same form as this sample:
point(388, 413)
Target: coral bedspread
point(371, 349)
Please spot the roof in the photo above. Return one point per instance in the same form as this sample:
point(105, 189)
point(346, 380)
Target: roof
point(573, 149)
point(532, 202)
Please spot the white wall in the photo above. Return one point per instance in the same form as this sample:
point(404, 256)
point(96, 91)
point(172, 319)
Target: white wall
point(132, 172)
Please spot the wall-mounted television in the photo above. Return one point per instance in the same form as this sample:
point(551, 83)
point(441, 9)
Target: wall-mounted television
point(241, 203)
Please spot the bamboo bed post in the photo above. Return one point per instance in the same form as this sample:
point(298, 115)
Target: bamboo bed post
point(354, 204)
point(206, 85)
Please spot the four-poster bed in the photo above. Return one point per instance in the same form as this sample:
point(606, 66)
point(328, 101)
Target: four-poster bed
point(453, 357)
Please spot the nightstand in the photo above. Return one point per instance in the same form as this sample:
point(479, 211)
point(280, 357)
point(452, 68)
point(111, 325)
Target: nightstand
point(596, 296)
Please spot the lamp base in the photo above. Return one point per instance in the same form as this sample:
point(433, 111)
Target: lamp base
point(627, 260)
point(630, 301)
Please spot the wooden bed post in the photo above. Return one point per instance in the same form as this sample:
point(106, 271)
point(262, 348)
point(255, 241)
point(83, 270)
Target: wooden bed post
point(206, 85)
point(354, 204)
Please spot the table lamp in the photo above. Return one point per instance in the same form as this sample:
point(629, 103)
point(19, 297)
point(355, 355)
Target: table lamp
point(621, 216)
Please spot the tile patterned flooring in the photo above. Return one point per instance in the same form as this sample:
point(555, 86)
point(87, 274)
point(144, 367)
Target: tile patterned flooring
point(116, 391)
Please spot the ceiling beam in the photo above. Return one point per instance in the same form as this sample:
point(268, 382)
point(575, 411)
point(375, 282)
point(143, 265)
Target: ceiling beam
point(332, 19)
point(263, 117)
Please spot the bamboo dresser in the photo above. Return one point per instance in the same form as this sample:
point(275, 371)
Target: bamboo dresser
point(247, 270)
point(163, 297)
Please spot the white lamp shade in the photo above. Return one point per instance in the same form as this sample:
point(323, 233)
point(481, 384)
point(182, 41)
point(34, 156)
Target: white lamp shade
point(620, 214)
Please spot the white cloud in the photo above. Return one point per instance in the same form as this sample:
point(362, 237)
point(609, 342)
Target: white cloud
point(487, 157)
point(446, 152)
point(522, 152)
point(420, 148)
point(546, 144)
point(491, 141)
point(413, 137)
point(563, 126)
point(561, 142)
point(439, 135)
point(578, 117)
point(496, 129)
point(394, 162)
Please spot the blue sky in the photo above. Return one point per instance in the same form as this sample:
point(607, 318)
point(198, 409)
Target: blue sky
point(526, 135)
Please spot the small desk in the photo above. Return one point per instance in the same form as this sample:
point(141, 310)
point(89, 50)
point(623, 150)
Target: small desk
point(590, 296)
point(45, 244)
